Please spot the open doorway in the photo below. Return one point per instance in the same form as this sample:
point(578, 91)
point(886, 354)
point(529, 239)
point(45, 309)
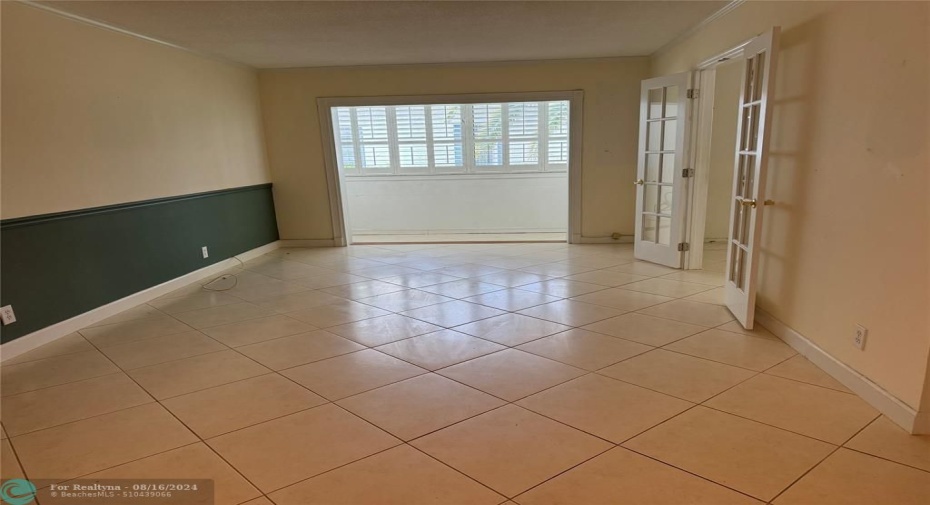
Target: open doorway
point(466, 168)
point(681, 182)
point(725, 115)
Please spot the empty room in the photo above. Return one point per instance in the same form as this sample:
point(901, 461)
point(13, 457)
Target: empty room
point(465, 252)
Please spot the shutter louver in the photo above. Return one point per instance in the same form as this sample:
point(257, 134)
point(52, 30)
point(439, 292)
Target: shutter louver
point(452, 138)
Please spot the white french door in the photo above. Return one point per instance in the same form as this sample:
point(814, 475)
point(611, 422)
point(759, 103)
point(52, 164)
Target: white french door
point(749, 175)
point(660, 182)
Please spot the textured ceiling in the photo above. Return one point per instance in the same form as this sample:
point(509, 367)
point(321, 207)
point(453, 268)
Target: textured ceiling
point(277, 34)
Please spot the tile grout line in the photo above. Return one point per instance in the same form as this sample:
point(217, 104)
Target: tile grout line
point(434, 371)
point(191, 431)
point(820, 462)
point(689, 472)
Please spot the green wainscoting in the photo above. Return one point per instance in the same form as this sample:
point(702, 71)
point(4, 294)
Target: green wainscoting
point(56, 266)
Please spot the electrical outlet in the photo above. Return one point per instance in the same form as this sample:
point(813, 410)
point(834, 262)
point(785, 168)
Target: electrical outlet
point(206, 253)
point(859, 337)
point(7, 315)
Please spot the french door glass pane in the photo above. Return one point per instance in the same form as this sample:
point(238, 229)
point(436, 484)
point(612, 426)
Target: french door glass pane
point(654, 136)
point(651, 198)
point(665, 230)
point(665, 200)
point(653, 165)
point(671, 102)
point(654, 104)
point(669, 134)
point(668, 167)
point(650, 226)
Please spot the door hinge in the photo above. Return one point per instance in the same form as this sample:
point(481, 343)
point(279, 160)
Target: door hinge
point(687, 172)
point(694, 93)
point(684, 246)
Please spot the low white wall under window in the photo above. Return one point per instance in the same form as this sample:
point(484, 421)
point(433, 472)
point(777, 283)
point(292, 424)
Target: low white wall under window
point(504, 203)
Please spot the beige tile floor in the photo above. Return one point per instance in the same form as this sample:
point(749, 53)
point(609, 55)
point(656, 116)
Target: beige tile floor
point(538, 373)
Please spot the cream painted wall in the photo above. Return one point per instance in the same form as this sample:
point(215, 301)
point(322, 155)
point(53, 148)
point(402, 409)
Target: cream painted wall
point(847, 241)
point(722, 151)
point(611, 110)
point(93, 117)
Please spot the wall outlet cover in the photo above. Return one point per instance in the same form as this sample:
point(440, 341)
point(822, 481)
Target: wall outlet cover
point(7, 315)
point(859, 337)
point(206, 253)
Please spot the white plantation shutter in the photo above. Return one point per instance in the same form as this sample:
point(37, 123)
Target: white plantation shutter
point(346, 138)
point(373, 139)
point(452, 138)
point(523, 120)
point(557, 133)
point(488, 132)
point(412, 140)
point(447, 142)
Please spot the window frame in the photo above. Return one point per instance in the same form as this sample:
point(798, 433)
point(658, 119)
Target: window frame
point(335, 180)
point(468, 140)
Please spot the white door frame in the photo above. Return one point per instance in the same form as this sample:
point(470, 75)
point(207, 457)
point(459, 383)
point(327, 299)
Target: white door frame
point(701, 134)
point(335, 182)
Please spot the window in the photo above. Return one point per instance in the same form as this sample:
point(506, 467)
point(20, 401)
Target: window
point(452, 138)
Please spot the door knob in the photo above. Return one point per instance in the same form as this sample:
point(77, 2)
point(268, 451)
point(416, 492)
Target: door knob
point(749, 203)
point(639, 182)
point(769, 202)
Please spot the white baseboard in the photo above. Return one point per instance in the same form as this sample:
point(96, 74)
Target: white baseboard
point(883, 401)
point(624, 239)
point(51, 333)
point(458, 231)
point(321, 242)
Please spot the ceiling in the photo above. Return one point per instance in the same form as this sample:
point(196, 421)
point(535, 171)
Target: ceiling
point(281, 34)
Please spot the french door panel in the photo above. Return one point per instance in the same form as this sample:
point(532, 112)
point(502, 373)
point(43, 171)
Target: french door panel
point(749, 176)
point(660, 184)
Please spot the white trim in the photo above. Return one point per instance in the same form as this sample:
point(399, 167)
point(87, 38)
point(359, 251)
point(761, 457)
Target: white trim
point(322, 242)
point(703, 121)
point(876, 396)
point(733, 53)
point(575, 148)
point(123, 31)
point(702, 135)
point(723, 11)
point(624, 239)
point(338, 211)
point(51, 333)
point(335, 180)
point(360, 234)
